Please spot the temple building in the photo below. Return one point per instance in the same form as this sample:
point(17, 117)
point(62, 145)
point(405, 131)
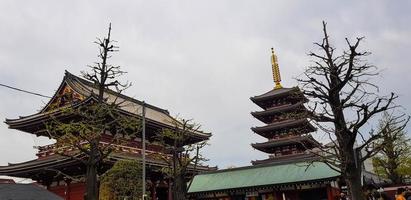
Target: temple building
point(291, 171)
point(65, 176)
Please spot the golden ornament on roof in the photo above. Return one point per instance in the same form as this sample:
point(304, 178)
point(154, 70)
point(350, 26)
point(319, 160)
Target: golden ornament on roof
point(276, 70)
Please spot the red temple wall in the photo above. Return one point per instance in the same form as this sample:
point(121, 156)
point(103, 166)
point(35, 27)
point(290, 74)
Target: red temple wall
point(75, 191)
point(332, 192)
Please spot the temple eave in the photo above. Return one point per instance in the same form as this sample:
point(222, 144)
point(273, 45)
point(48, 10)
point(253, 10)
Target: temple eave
point(35, 124)
point(32, 168)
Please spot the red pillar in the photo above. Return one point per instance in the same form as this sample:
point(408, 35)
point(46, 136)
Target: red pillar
point(68, 189)
point(332, 192)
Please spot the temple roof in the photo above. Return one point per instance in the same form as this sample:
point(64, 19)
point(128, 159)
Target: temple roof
point(38, 167)
point(283, 125)
point(26, 191)
point(29, 168)
point(260, 176)
point(269, 145)
point(85, 89)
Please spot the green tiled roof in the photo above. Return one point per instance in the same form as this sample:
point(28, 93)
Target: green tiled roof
point(261, 176)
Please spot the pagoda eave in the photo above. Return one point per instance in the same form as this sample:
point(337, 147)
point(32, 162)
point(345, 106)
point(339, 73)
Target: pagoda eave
point(284, 125)
point(305, 141)
point(279, 110)
point(295, 110)
point(293, 158)
point(274, 93)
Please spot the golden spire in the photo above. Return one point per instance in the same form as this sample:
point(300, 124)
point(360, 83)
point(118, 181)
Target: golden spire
point(276, 70)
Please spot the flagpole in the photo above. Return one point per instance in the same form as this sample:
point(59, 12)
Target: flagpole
point(144, 148)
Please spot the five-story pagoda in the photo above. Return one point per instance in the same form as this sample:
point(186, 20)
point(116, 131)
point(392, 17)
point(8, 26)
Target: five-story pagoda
point(286, 124)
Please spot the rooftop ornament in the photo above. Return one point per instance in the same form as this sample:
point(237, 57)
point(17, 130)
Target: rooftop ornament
point(276, 70)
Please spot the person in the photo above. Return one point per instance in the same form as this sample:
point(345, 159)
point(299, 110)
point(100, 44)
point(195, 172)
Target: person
point(400, 194)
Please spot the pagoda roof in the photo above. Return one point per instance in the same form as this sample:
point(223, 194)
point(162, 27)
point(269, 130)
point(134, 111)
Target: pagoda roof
point(285, 159)
point(260, 177)
point(274, 93)
point(154, 115)
point(277, 110)
point(267, 146)
point(282, 125)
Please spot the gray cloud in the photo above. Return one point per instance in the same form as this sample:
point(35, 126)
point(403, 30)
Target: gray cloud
point(200, 59)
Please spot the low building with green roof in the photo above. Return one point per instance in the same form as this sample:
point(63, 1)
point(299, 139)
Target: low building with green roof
point(303, 180)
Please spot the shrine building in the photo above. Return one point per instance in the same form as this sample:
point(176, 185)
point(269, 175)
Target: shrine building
point(65, 176)
point(292, 170)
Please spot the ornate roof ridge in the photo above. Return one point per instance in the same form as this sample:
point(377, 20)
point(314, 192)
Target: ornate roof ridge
point(73, 77)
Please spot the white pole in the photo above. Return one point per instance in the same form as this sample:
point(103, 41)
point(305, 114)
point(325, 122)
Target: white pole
point(144, 148)
point(284, 196)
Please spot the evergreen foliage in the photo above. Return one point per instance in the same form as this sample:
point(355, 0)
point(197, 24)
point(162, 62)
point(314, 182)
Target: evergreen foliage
point(122, 181)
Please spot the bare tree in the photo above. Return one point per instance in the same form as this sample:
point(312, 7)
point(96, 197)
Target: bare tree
point(180, 155)
point(391, 161)
point(344, 102)
point(96, 125)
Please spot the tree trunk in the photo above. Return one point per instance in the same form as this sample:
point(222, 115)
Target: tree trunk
point(91, 182)
point(179, 188)
point(91, 173)
point(353, 180)
point(392, 167)
point(352, 174)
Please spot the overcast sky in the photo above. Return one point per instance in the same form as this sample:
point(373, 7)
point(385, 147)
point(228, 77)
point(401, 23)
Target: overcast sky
point(199, 59)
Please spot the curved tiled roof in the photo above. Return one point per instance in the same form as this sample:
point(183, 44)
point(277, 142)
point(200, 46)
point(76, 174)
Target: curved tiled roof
point(274, 93)
point(264, 116)
point(283, 125)
point(154, 114)
point(26, 192)
point(261, 176)
point(33, 167)
point(266, 146)
point(278, 109)
point(291, 158)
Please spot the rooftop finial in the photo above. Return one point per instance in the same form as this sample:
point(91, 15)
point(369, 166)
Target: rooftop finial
point(276, 70)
